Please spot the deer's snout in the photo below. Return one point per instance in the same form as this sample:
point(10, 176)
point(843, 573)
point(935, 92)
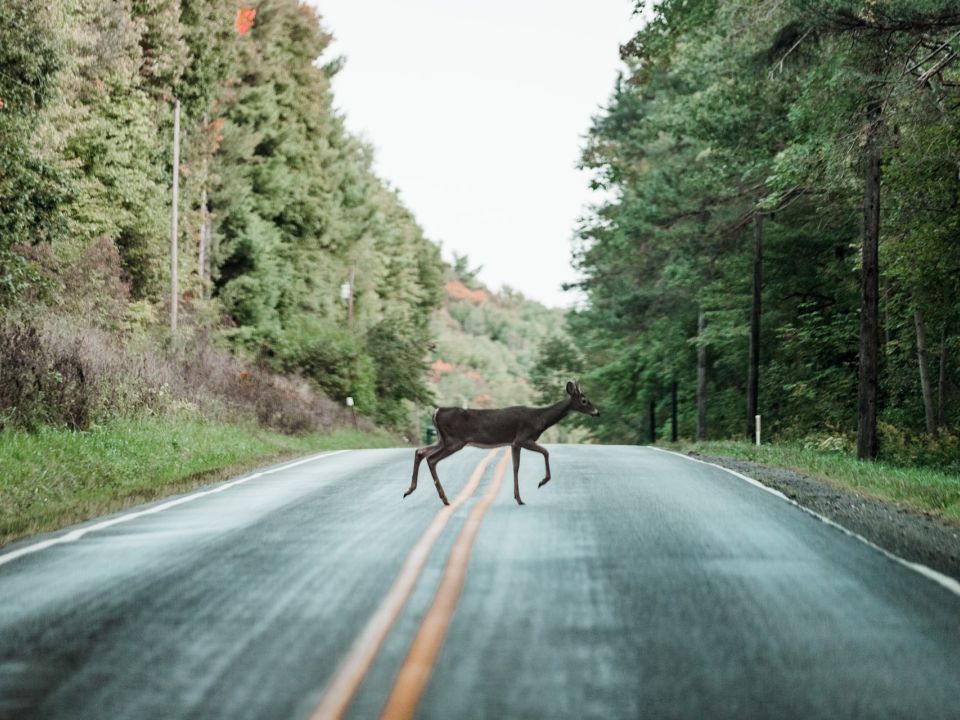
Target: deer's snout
point(595, 413)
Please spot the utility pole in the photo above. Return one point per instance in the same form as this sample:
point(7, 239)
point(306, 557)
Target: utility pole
point(174, 289)
point(753, 372)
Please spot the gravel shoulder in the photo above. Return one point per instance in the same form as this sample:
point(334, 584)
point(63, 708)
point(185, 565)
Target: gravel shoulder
point(915, 536)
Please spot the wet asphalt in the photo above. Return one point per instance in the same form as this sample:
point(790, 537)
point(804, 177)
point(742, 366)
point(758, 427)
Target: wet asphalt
point(636, 584)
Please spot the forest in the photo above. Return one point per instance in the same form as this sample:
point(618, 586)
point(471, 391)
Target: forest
point(779, 228)
point(294, 262)
point(776, 235)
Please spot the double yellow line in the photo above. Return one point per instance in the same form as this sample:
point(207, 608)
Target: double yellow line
point(418, 664)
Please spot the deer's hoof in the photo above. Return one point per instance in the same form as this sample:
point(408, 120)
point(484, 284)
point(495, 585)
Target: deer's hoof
point(520, 502)
point(407, 492)
point(543, 482)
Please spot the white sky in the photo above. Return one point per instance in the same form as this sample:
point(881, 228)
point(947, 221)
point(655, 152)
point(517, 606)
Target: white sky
point(477, 110)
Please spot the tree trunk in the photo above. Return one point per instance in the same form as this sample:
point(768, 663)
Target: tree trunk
point(673, 412)
point(942, 383)
point(653, 423)
point(925, 387)
point(701, 379)
point(753, 371)
point(869, 292)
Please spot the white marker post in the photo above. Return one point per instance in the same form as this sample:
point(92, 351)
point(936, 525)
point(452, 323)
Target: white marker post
point(350, 405)
point(757, 420)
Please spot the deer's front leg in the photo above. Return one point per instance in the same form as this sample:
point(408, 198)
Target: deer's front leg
point(435, 457)
point(418, 457)
point(516, 474)
point(531, 445)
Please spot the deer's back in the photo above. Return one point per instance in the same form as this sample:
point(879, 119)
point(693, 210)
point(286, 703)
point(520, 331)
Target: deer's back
point(484, 428)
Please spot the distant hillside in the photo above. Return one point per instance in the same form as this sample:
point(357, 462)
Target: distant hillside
point(486, 345)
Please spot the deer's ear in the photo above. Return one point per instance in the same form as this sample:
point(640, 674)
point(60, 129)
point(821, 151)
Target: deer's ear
point(576, 386)
point(570, 388)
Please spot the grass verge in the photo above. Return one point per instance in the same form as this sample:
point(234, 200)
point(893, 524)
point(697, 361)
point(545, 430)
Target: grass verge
point(920, 489)
point(55, 477)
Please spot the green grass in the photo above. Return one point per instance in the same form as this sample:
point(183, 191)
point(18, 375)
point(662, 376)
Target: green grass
point(921, 489)
point(54, 477)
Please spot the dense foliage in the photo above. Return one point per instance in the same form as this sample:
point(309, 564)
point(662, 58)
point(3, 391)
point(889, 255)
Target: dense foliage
point(754, 124)
point(279, 206)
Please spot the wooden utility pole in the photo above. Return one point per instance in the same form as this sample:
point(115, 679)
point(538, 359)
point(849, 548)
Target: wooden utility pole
point(753, 372)
point(701, 378)
point(174, 289)
point(867, 393)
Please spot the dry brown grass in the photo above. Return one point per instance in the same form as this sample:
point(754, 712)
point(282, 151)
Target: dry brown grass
point(53, 372)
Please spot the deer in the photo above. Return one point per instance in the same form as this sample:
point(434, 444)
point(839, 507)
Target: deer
point(518, 426)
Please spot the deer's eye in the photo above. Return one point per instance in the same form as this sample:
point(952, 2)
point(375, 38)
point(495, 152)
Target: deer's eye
point(583, 400)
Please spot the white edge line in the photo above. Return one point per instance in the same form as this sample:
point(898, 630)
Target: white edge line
point(943, 580)
point(75, 535)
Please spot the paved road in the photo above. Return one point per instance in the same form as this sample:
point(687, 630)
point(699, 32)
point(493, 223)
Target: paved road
point(637, 584)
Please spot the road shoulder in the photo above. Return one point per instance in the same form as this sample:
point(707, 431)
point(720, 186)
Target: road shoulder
point(914, 536)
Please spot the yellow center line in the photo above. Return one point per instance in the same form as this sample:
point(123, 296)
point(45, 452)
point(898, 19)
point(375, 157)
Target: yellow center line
point(357, 662)
point(415, 671)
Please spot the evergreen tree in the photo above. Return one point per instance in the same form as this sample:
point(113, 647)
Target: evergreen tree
point(748, 115)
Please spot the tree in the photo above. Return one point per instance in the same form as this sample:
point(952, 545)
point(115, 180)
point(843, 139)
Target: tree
point(786, 111)
point(86, 96)
point(31, 187)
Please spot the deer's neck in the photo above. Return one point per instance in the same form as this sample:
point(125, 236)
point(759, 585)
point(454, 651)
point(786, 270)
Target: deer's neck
point(553, 414)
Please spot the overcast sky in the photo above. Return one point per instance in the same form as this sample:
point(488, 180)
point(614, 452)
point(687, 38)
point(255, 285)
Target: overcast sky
point(477, 110)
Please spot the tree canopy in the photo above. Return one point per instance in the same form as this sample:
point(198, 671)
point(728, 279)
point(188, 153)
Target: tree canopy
point(752, 123)
point(280, 207)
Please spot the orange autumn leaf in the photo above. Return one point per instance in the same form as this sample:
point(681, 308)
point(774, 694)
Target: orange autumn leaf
point(245, 18)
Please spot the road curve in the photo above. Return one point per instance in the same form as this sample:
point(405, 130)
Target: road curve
point(635, 584)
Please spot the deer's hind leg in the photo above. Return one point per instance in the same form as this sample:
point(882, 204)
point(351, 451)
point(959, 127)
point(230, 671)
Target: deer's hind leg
point(445, 451)
point(516, 474)
point(418, 457)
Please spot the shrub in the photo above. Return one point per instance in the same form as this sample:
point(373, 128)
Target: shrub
point(41, 382)
point(828, 442)
point(54, 373)
point(938, 450)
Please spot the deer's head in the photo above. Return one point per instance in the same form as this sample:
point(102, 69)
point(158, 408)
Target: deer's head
point(579, 401)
